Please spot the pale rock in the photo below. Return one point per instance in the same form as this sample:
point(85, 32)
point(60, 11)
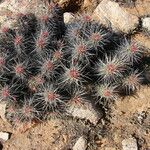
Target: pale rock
point(26, 6)
point(68, 17)
point(146, 23)
point(85, 112)
point(10, 8)
point(81, 144)
point(110, 13)
point(4, 136)
point(3, 110)
point(129, 144)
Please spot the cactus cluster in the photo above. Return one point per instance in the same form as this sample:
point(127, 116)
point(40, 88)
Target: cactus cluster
point(46, 65)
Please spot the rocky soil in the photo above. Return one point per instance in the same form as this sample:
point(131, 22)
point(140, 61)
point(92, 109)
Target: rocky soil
point(121, 125)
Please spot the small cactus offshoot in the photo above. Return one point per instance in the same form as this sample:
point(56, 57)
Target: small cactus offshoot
point(133, 81)
point(131, 51)
point(106, 92)
point(110, 69)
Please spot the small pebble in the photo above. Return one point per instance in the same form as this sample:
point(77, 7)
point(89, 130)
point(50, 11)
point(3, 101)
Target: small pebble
point(81, 144)
point(129, 144)
point(4, 136)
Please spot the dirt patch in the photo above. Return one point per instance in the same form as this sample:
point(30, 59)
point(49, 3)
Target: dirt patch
point(55, 134)
point(40, 137)
point(131, 117)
